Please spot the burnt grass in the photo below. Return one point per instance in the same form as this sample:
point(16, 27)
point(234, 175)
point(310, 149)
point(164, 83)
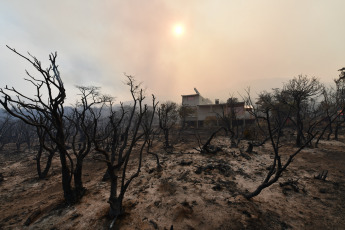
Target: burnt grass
point(193, 190)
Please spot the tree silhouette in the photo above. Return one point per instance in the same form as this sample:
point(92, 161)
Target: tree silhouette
point(44, 110)
point(125, 131)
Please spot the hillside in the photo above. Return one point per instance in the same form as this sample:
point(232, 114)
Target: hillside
point(193, 191)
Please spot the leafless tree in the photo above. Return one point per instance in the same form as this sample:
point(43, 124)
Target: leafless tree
point(23, 133)
point(86, 113)
point(269, 110)
point(330, 110)
point(150, 131)
point(184, 113)
point(46, 104)
point(127, 137)
point(168, 115)
point(47, 147)
point(228, 120)
point(207, 147)
point(340, 101)
point(257, 111)
point(6, 123)
point(296, 94)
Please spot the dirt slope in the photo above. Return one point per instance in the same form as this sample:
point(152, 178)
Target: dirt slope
point(194, 191)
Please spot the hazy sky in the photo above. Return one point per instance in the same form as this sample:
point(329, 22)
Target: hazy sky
point(226, 45)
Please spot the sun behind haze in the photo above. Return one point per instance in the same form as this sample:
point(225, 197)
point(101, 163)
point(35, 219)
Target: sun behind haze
point(178, 30)
point(220, 47)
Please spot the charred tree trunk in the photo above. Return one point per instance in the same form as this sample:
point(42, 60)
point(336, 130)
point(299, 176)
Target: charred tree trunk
point(44, 110)
point(250, 147)
point(159, 167)
point(330, 122)
point(166, 137)
point(18, 144)
point(330, 129)
point(322, 133)
point(114, 201)
point(2, 145)
point(299, 138)
point(300, 126)
point(262, 186)
point(66, 177)
point(276, 170)
point(205, 148)
point(28, 142)
point(337, 126)
point(38, 163)
point(43, 174)
point(78, 183)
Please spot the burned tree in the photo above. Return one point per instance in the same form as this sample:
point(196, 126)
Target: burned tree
point(127, 138)
point(340, 101)
point(23, 134)
point(207, 147)
point(265, 99)
point(46, 104)
point(330, 112)
point(46, 146)
point(6, 123)
point(168, 115)
point(149, 131)
point(296, 94)
point(184, 113)
point(228, 119)
point(269, 110)
point(86, 113)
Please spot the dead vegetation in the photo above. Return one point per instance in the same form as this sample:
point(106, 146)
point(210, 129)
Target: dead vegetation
point(198, 179)
point(193, 191)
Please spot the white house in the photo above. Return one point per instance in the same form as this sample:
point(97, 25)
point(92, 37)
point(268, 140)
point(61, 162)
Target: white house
point(202, 112)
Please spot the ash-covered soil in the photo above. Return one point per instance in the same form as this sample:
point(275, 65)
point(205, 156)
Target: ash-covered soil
point(193, 191)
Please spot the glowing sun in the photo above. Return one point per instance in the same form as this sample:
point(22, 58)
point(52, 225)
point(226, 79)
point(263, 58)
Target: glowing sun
point(178, 30)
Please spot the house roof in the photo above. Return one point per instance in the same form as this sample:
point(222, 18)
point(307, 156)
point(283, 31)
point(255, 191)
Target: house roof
point(238, 104)
point(191, 95)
